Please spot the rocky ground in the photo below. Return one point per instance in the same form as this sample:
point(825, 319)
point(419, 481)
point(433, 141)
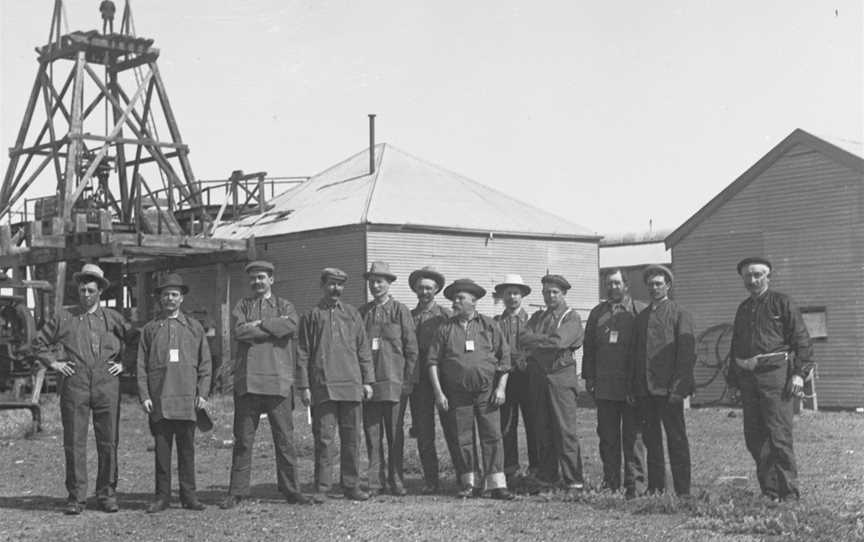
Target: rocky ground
point(830, 450)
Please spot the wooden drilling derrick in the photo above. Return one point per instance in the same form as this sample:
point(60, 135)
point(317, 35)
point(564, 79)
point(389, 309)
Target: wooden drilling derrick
point(99, 128)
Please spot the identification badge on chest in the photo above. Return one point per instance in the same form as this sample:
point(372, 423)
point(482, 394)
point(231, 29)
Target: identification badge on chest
point(376, 343)
point(469, 345)
point(613, 336)
point(174, 355)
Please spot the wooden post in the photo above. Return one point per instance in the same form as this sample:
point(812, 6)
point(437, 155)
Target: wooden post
point(59, 287)
point(68, 183)
point(226, 371)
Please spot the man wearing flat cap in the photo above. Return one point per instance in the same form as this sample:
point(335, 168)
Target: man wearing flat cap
point(468, 364)
point(512, 321)
point(428, 317)
point(390, 330)
point(772, 354)
point(174, 369)
point(92, 338)
point(661, 377)
point(265, 329)
point(335, 374)
point(608, 334)
point(550, 339)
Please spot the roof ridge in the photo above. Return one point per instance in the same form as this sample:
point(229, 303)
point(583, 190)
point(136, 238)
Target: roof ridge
point(474, 185)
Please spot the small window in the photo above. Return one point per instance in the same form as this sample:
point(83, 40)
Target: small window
point(816, 321)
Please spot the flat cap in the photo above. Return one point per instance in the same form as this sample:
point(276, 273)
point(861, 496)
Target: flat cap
point(333, 273)
point(426, 273)
point(259, 264)
point(753, 259)
point(464, 285)
point(656, 268)
point(557, 280)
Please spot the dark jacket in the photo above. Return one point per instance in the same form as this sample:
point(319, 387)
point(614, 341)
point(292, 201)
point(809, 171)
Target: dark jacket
point(266, 362)
point(427, 322)
point(395, 360)
point(664, 351)
point(550, 339)
point(511, 326)
point(173, 382)
point(469, 370)
point(769, 323)
point(609, 332)
point(333, 355)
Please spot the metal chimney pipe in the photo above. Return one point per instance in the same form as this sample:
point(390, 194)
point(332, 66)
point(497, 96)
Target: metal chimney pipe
point(371, 144)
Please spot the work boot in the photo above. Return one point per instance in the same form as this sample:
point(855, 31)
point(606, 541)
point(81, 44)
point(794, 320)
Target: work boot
point(301, 499)
point(73, 508)
point(108, 504)
point(231, 501)
point(398, 490)
point(192, 504)
point(158, 505)
point(502, 494)
point(466, 492)
point(356, 494)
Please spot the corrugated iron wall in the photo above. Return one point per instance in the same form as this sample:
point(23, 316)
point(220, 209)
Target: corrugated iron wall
point(804, 213)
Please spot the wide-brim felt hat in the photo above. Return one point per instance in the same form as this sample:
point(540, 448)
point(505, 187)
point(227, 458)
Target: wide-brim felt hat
point(751, 260)
point(172, 279)
point(464, 285)
point(557, 280)
point(379, 269)
point(513, 280)
point(426, 273)
point(656, 268)
point(91, 271)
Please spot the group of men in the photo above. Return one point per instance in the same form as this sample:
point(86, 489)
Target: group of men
point(359, 370)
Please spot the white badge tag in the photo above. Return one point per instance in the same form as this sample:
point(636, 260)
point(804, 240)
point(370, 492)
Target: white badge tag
point(469, 345)
point(174, 355)
point(376, 343)
point(613, 337)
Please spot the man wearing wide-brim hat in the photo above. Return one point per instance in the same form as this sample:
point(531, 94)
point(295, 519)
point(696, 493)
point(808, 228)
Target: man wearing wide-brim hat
point(511, 291)
point(661, 377)
point(390, 330)
point(92, 338)
point(551, 337)
point(772, 355)
point(469, 360)
point(174, 369)
point(428, 317)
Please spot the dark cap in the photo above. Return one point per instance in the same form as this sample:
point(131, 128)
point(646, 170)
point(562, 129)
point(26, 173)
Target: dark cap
point(426, 273)
point(333, 273)
point(557, 280)
point(380, 269)
point(753, 259)
point(656, 268)
point(260, 264)
point(464, 285)
point(172, 279)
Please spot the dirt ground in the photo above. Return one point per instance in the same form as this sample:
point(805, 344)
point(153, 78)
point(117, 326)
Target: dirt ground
point(830, 448)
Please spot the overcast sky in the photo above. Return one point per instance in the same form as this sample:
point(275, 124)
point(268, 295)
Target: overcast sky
point(606, 113)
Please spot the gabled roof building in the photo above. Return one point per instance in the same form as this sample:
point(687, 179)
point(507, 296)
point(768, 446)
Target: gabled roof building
point(802, 207)
point(409, 213)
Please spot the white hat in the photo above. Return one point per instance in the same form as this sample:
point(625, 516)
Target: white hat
point(512, 279)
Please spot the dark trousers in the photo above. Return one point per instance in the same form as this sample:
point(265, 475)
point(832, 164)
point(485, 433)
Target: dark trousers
point(247, 413)
point(768, 431)
point(165, 432)
point(385, 419)
point(518, 398)
point(557, 437)
point(79, 400)
point(326, 416)
point(620, 431)
point(657, 410)
point(466, 409)
point(423, 420)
